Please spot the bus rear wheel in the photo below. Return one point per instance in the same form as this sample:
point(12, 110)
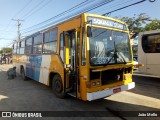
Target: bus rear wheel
point(57, 86)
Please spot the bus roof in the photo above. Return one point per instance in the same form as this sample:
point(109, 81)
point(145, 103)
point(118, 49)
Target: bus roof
point(106, 17)
point(149, 32)
point(85, 15)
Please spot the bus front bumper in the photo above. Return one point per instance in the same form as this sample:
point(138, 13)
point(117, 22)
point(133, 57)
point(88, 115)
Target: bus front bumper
point(110, 91)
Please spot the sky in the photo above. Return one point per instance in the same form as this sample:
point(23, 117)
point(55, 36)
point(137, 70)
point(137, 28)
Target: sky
point(33, 12)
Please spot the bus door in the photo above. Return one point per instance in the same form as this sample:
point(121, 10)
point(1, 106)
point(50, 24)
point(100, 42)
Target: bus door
point(71, 63)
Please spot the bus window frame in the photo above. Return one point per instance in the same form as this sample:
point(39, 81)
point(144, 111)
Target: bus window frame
point(146, 39)
point(20, 47)
point(50, 41)
point(83, 49)
point(61, 39)
point(15, 48)
point(37, 43)
point(31, 52)
point(109, 28)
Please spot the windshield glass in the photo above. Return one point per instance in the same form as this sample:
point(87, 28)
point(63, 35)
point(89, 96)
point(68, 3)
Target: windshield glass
point(109, 47)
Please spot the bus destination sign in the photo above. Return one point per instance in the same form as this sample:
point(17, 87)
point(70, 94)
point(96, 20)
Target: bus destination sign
point(105, 22)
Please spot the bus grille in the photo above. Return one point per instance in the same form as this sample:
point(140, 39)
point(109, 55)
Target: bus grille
point(110, 76)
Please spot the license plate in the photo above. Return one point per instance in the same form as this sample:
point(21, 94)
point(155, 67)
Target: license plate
point(116, 90)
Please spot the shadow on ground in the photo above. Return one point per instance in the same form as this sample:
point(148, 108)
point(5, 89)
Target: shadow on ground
point(147, 86)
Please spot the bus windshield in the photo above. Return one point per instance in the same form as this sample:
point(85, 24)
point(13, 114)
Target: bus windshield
point(109, 47)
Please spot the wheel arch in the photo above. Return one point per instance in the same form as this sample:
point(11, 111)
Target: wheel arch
point(51, 76)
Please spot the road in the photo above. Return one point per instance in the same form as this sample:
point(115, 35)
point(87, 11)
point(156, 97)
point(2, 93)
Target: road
point(19, 95)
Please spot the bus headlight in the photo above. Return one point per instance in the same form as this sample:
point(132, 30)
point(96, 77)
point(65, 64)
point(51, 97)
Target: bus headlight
point(96, 83)
point(93, 83)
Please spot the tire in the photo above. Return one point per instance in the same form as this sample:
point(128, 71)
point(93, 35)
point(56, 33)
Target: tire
point(23, 74)
point(57, 86)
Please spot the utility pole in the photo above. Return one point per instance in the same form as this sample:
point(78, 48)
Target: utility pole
point(19, 24)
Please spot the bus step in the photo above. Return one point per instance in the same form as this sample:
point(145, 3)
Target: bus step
point(73, 94)
point(68, 90)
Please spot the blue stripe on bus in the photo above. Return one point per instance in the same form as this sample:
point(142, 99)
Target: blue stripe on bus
point(33, 67)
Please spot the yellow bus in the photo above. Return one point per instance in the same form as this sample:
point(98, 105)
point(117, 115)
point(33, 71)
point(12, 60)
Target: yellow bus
point(88, 57)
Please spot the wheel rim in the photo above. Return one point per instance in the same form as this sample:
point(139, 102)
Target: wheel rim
point(57, 86)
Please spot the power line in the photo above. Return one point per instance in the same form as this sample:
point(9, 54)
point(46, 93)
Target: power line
point(38, 9)
point(124, 7)
point(73, 8)
point(22, 9)
point(73, 15)
point(117, 4)
point(84, 10)
point(5, 39)
point(19, 24)
point(26, 5)
point(83, 3)
point(6, 31)
point(42, 1)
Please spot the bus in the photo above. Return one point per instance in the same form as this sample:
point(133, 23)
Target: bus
point(149, 52)
point(88, 56)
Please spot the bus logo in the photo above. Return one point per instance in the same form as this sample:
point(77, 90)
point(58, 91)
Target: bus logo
point(6, 114)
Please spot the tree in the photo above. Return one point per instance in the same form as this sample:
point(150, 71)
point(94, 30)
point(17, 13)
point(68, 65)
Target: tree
point(136, 23)
point(154, 25)
point(5, 50)
point(139, 23)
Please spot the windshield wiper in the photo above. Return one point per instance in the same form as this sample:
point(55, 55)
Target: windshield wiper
point(114, 56)
point(122, 58)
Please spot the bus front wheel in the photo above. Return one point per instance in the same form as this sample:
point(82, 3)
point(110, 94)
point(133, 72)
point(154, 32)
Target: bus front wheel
point(57, 86)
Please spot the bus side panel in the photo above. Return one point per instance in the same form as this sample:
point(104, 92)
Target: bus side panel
point(29, 69)
point(83, 80)
point(33, 66)
point(151, 60)
point(19, 61)
point(36, 65)
point(153, 63)
point(44, 71)
point(141, 56)
point(57, 66)
point(50, 63)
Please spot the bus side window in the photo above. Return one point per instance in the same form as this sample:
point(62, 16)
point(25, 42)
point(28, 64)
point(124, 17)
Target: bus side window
point(151, 43)
point(21, 49)
point(83, 49)
point(50, 41)
point(78, 47)
point(18, 47)
point(61, 47)
point(14, 48)
point(37, 44)
point(28, 47)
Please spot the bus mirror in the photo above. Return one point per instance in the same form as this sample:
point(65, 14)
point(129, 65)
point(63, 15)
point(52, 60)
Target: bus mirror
point(89, 31)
